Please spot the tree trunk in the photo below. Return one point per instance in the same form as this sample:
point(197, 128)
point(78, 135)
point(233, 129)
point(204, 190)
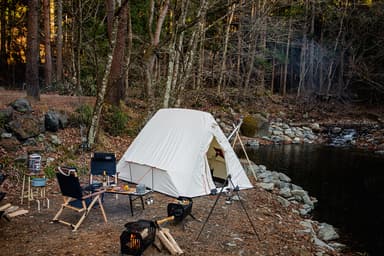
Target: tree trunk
point(311, 72)
point(59, 47)
point(110, 7)
point(47, 44)
point(263, 40)
point(331, 70)
point(170, 73)
point(284, 91)
point(149, 55)
point(3, 36)
point(32, 56)
point(79, 39)
point(127, 61)
point(192, 45)
point(171, 60)
point(116, 86)
point(252, 50)
point(231, 12)
point(92, 132)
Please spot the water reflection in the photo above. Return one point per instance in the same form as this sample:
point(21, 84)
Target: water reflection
point(347, 183)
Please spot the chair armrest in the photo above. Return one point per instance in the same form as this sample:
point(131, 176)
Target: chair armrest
point(99, 192)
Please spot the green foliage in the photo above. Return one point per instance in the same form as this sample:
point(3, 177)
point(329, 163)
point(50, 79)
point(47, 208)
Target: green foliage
point(83, 115)
point(50, 171)
point(115, 121)
point(249, 126)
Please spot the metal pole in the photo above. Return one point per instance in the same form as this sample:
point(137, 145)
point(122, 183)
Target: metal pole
point(213, 207)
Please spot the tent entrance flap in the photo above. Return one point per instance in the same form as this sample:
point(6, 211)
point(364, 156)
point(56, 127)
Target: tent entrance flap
point(217, 164)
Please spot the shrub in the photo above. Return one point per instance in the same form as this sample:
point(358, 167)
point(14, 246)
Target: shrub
point(115, 121)
point(82, 115)
point(49, 171)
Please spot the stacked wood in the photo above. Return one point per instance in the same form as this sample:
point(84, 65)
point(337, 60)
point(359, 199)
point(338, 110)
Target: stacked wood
point(8, 211)
point(168, 241)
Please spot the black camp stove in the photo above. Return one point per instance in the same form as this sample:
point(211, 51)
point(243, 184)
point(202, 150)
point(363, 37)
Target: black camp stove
point(180, 209)
point(137, 237)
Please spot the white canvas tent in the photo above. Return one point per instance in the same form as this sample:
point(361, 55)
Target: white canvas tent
point(180, 152)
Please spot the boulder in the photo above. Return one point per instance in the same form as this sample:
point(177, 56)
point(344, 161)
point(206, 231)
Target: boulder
point(54, 121)
point(5, 116)
point(25, 126)
point(22, 105)
point(327, 232)
point(51, 121)
point(255, 126)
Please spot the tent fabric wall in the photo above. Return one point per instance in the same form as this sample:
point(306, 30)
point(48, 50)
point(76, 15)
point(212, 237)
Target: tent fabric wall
point(170, 154)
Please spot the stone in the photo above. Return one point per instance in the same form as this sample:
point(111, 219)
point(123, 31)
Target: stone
point(336, 130)
point(285, 192)
point(322, 244)
point(51, 121)
point(299, 192)
point(327, 232)
point(22, 105)
point(286, 139)
point(284, 202)
point(252, 144)
point(25, 126)
point(296, 140)
point(55, 140)
point(6, 135)
point(5, 115)
point(284, 177)
point(266, 186)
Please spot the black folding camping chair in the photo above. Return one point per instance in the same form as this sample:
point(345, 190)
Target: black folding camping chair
point(103, 164)
point(75, 198)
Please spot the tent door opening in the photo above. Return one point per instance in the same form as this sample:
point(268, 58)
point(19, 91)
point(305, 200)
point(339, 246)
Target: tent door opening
point(217, 164)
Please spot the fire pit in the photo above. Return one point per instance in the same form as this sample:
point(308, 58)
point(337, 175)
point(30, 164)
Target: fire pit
point(180, 209)
point(137, 237)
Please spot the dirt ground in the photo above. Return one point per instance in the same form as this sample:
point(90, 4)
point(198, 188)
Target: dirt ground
point(227, 232)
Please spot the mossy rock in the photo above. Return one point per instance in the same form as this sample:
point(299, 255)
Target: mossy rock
point(249, 126)
point(255, 125)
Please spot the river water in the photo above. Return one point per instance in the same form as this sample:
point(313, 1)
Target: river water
point(349, 185)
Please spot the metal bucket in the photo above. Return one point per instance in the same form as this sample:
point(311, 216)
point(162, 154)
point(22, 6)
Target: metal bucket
point(34, 163)
point(38, 182)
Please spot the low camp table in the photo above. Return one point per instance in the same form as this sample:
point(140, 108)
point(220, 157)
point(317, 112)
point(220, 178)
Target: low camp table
point(133, 195)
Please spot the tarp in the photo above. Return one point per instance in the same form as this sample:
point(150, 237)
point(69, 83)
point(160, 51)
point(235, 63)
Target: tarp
point(179, 152)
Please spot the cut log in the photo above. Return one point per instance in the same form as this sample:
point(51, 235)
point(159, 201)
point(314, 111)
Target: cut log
point(11, 209)
point(17, 213)
point(3, 207)
point(157, 243)
point(172, 240)
point(166, 242)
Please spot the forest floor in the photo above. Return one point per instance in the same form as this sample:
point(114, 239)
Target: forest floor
point(228, 231)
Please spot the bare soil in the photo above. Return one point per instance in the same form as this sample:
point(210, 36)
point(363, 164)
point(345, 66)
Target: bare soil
point(227, 232)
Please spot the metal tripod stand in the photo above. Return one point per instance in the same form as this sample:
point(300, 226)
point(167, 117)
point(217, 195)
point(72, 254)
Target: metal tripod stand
point(236, 190)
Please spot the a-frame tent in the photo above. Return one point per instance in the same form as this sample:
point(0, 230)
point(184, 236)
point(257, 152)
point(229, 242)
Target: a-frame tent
point(181, 152)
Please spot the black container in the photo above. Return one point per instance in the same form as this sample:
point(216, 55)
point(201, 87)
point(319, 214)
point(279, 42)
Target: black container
point(133, 241)
point(181, 209)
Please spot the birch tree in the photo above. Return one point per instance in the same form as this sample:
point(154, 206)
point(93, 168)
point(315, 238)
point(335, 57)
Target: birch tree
point(93, 129)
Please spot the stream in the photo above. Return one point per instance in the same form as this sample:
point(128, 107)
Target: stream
point(348, 183)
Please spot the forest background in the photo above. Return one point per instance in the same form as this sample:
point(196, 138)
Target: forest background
point(168, 51)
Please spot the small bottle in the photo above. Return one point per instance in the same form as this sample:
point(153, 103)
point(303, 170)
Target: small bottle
point(104, 178)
